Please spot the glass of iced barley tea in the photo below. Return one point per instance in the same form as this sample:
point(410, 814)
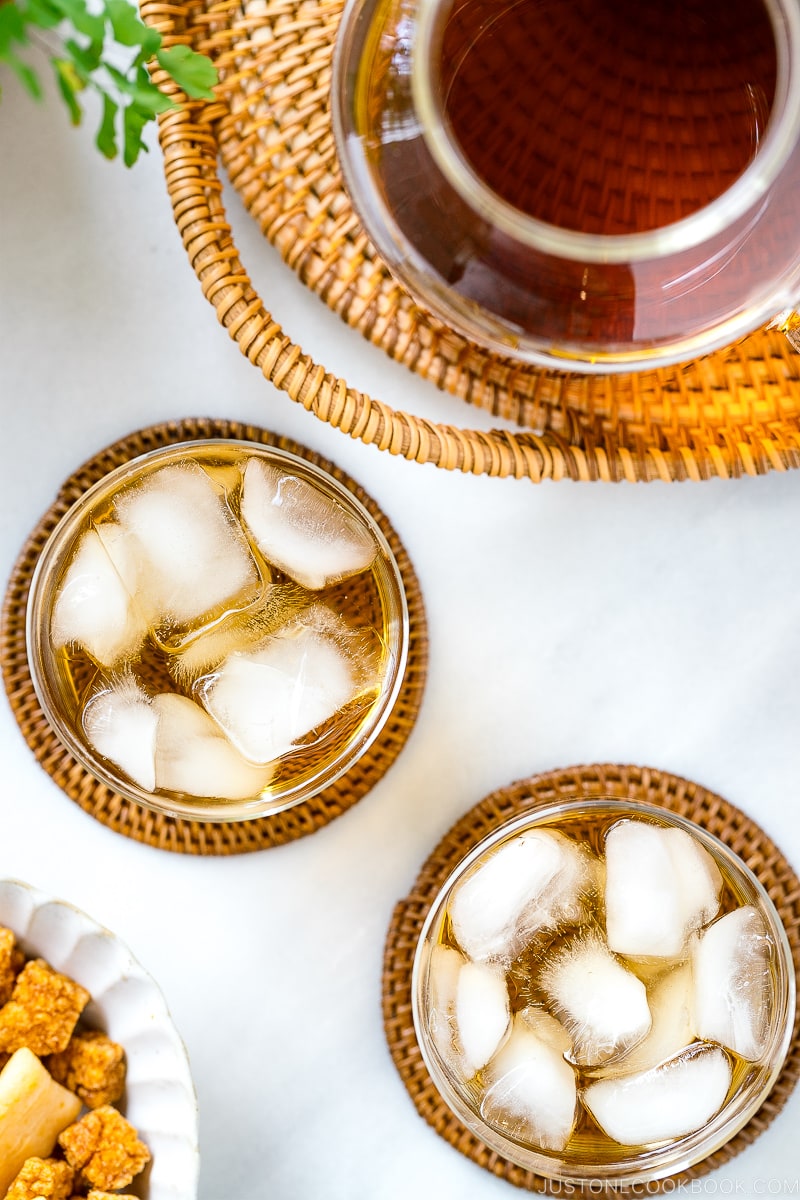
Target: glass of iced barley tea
point(217, 629)
point(603, 991)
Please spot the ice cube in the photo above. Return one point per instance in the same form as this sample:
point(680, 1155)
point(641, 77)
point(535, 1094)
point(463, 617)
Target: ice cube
point(546, 1028)
point(661, 885)
point(486, 906)
point(731, 961)
point(267, 700)
point(669, 1101)
point(531, 1094)
point(194, 557)
point(482, 1013)
point(602, 1006)
point(243, 630)
point(444, 967)
point(644, 908)
point(192, 755)
point(94, 607)
point(122, 550)
point(301, 530)
point(468, 1010)
point(120, 724)
point(535, 881)
point(670, 998)
point(699, 878)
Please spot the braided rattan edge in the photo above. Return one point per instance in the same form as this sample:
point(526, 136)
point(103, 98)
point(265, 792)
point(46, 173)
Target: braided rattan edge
point(141, 824)
point(643, 784)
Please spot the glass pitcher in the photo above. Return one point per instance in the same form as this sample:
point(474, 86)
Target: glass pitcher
point(593, 185)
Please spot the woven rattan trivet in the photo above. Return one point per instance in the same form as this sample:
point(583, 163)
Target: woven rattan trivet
point(713, 813)
point(269, 130)
point(139, 823)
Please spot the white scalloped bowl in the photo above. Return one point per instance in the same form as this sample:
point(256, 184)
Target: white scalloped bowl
point(127, 1004)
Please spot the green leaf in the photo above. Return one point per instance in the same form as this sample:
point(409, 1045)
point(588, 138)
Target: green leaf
point(13, 32)
point(194, 73)
point(69, 84)
point(12, 29)
point(133, 122)
point(126, 88)
point(106, 139)
point(128, 27)
point(123, 82)
point(148, 49)
point(26, 75)
point(41, 13)
point(147, 95)
point(86, 58)
point(140, 88)
point(89, 24)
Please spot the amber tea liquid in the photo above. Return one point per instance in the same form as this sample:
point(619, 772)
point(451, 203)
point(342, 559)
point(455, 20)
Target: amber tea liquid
point(361, 601)
point(608, 116)
point(592, 119)
point(589, 1143)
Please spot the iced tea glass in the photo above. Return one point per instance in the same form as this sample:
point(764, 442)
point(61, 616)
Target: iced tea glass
point(217, 629)
point(603, 992)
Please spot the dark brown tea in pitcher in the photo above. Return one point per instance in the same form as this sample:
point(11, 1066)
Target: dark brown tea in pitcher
point(608, 116)
point(604, 183)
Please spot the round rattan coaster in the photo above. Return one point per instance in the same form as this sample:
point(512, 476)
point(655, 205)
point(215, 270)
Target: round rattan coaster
point(268, 130)
point(713, 813)
point(139, 823)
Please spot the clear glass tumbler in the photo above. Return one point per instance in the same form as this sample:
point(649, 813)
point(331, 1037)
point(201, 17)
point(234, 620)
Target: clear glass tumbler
point(217, 630)
point(586, 1063)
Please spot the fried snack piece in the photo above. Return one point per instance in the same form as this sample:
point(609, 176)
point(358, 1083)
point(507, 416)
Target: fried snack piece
point(42, 1179)
point(43, 1010)
point(92, 1066)
point(104, 1148)
point(11, 962)
point(95, 1195)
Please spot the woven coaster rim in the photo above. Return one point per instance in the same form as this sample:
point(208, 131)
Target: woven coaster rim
point(647, 785)
point(181, 834)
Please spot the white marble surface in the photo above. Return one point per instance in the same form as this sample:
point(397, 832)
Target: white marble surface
point(568, 623)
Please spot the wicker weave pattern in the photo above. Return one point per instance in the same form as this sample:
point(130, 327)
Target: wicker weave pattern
point(732, 413)
point(643, 784)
